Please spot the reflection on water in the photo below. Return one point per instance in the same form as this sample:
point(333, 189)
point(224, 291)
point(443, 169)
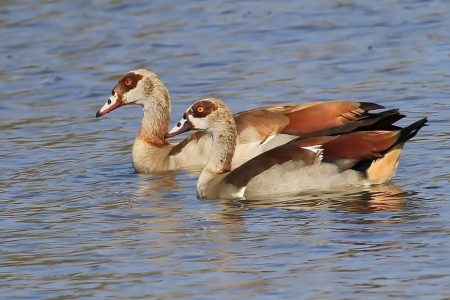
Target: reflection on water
point(77, 222)
point(387, 197)
point(383, 198)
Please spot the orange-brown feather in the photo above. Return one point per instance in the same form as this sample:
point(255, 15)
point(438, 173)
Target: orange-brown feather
point(356, 145)
point(361, 145)
point(257, 125)
point(325, 115)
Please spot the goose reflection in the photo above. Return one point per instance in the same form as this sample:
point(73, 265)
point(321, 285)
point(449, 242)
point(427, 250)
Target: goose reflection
point(380, 198)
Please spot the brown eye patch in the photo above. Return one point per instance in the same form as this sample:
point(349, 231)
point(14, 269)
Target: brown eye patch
point(128, 82)
point(203, 108)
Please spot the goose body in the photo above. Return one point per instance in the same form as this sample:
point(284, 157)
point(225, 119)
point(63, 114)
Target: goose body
point(318, 163)
point(258, 130)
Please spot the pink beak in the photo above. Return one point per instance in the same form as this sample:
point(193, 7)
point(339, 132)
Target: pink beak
point(110, 105)
point(182, 126)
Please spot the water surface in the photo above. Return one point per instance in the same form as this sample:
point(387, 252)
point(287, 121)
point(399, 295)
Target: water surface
point(78, 222)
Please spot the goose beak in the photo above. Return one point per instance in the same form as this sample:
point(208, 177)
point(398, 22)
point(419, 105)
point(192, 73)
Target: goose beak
point(110, 105)
point(182, 126)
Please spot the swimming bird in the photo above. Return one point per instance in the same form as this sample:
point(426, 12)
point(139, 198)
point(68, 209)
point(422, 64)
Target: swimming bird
point(319, 163)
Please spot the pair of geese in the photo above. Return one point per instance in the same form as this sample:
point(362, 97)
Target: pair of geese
point(264, 152)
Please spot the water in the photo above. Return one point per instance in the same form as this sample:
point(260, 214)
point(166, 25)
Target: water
point(77, 222)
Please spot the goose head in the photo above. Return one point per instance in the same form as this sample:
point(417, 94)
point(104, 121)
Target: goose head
point(141, 87)
point(209, 114)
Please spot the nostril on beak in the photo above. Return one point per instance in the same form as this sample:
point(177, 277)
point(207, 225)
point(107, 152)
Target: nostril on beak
point(109, 101)
point(179, 124)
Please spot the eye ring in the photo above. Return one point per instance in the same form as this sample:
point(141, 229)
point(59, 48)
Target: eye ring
point(127, 81)
point(200, 109)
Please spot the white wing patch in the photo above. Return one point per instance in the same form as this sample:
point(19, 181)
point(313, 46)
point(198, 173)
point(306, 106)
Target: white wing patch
point(240, 193)
point(267, 140)
point(317, 149)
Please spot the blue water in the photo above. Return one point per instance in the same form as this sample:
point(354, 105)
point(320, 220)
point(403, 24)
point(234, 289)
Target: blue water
point(76, 221)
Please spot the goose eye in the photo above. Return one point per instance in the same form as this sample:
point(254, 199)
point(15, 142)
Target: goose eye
point(200, 109)
point(184, 116)
point(109, 101)
point(112, 92)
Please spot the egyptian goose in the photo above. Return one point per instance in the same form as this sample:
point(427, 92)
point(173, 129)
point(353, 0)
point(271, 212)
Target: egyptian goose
point(323, 162)
point(258, 130)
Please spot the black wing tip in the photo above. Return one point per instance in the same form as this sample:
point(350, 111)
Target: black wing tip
point(367, 106)
point(410, 131)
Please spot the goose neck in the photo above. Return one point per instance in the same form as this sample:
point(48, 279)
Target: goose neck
point(155, 121)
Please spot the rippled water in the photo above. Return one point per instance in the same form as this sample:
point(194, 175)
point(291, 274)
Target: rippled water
point(77, 222)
